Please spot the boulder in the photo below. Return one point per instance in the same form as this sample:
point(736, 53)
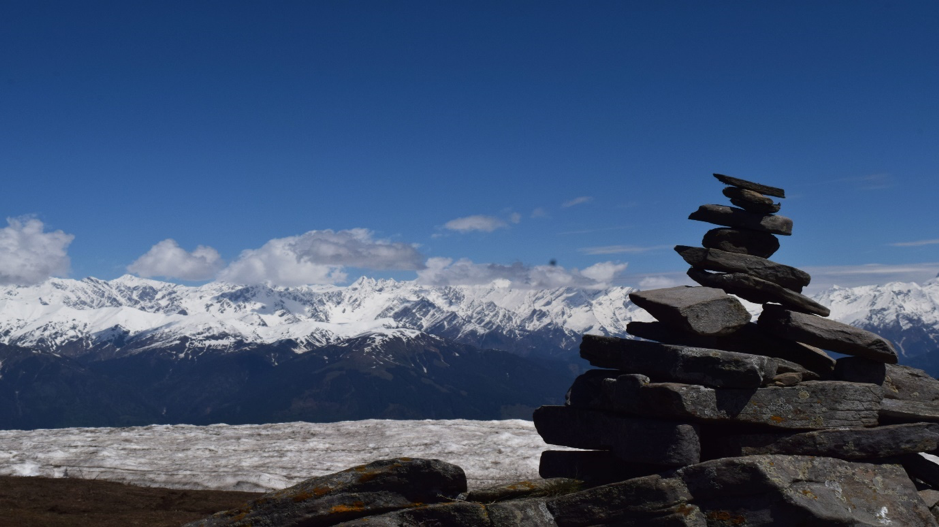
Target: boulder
point(741, 241)
point(699, 310)
point(663, 362)
point(741, 219)
point(899, 382)
point(791, 378)
point(897, 411)
point(365, 490)
point(520, 513)
point(593, 467)
point(723, 261)
point(810, 405)
point(629, 438)
point(851, 443)
point(749, 339)
point(827, 334)
point(751, 201)
point(758, 291)
point(750, 185)
point(454, 514)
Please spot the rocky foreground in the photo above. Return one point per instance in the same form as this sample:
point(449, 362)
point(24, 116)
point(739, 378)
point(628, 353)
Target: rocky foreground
point(712, 420)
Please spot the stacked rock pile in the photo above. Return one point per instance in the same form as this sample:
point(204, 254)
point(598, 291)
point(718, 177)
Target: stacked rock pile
point(726, 412)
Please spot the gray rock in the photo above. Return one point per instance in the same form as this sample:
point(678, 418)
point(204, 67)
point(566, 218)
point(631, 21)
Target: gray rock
point(920, 468)
point(897, 411)
point(629, 438)
point(791, 378)
point(804, 490)
point(664, 362)
point(749, 339)
point(521, 513)
point(639, 500)
point(808, 406)
point(365, 490)
point(699, 310)
point(899, 382)
point(741, 241)
point(525, 489)
point(827, 334)
point(750, 185)
point(593, 467)
point(854, 443)
point(454, 514)
point(718, 260)
point(741, 219)
point(930, 497)
point(751, 201)
point(758, 291)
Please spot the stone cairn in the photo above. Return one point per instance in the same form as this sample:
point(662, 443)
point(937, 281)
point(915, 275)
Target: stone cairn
point(711, 419)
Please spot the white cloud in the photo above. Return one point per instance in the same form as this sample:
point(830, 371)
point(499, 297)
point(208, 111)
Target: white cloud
point(620, 249)
point(658, 282)
point(539, 213)
point(319, 257)
point(917, 243)
point(444, 271)
point(515, 217)
point(169, 260)
point(28, 255)
point(475, 223)
point(576, 201)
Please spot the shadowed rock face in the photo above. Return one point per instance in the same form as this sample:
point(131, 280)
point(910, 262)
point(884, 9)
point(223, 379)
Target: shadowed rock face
point(723, 261)
point(758, 291)
point(741, 219)
point(751, 201)
point(698, 310)
point(750, 185)
point(741, 241)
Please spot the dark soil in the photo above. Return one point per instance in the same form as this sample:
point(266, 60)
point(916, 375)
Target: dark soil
point(48, 502)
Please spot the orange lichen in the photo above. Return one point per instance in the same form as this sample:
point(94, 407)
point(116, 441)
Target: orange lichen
point(726, 516)
point(777, 419)
point(355, 506)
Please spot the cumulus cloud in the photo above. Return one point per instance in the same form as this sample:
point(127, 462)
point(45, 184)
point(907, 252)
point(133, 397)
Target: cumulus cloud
point(576, 201)
point(445, 271)
point(169, 260)
point(28, 255)
point(319, 257)
point(475, 223)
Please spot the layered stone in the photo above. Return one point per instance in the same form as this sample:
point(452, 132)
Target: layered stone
point(758, 291)
point(741, 241)
point(723, 261)
point(751, 201)
point(741, 219)
point(897, 411)
point(899, 382)
point(699, 310)
point(664, 362)
point(827, 334)
point(749, 339)
point(750, 185)
point(813, 405)
point(852, 443)
point(595, 467)
point(631, 439)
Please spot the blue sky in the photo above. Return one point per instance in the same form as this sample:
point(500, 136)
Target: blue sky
point(460, 141)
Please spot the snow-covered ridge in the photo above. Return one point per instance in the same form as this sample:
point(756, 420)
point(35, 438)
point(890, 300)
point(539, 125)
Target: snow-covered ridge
point(73, 317)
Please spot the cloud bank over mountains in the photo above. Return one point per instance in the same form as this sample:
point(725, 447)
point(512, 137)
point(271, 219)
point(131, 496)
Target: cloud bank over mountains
point(169, 260)
point(29, 255)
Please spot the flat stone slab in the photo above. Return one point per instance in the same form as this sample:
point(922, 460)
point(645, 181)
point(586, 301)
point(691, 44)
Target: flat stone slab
point(594, 467)
point(751, 201)
point(699, 310)
point(827, 334)
point(894, 410)
point(741, 219)
point(758, 291)
point(453, 514)
point(898, 381)
point(749, 339)
point(663, 362)
point(723, 261)
point(750, 185)
point(812, 405)
point(853, 443)
point(741, 241)
point(632, 439)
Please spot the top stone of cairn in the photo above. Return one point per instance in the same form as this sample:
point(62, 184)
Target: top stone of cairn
point(749, 185)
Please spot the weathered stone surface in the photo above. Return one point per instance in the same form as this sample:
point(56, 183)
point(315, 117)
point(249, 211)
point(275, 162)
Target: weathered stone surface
point(594, 467)
point(750, 185)
point(803, 490)
point(365, 490)
point(899, 382)
point(897, 411)
point(663, 362)
point(521, 513)
point(454, 514)
point(699, 310)
point(791, 378)
point(629, 438)
point(749, 339)
point(808, 406)
point(723, 261)
point(853, 443)
point(827, 334)
point(524, 489)
point(741, 241)
point(751, 201)
point(758, 291)
point(741, 219)
point(634, 500)
point(930, 497)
